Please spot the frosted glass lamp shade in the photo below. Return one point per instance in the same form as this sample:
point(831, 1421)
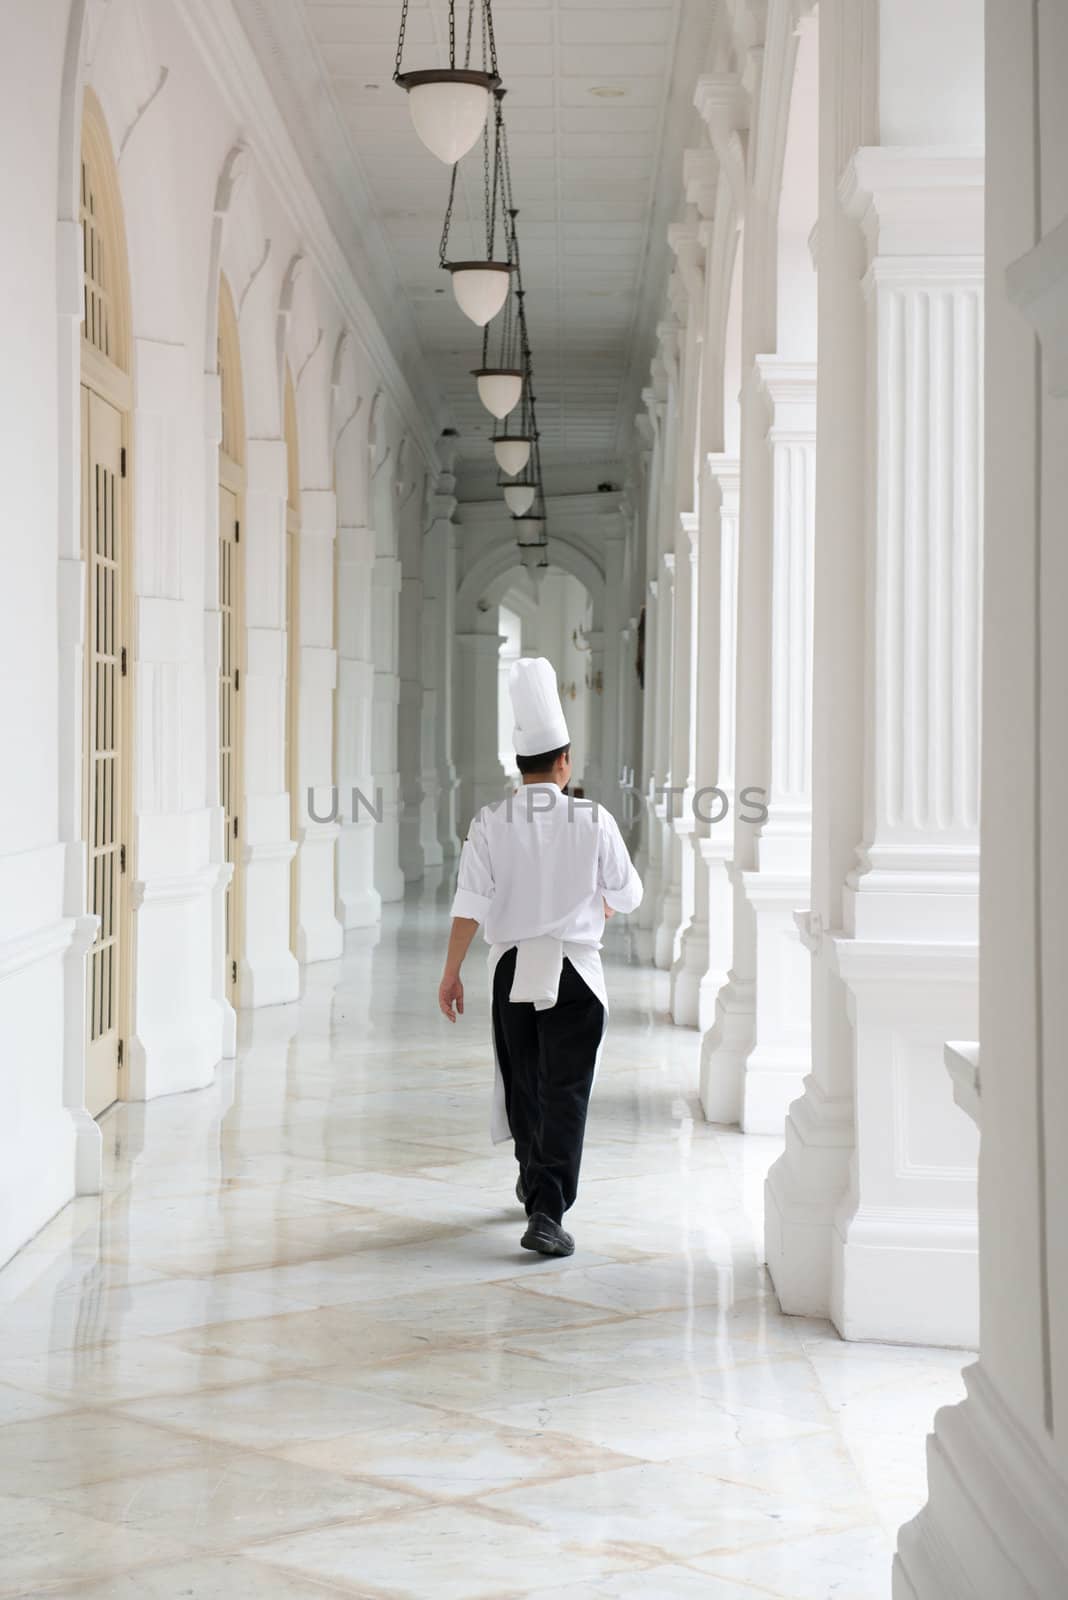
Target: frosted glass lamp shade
point(480, 287)
point(499, 389)
point(529, 531)
point(448, 109)
point(512, 454)
point(519, 498)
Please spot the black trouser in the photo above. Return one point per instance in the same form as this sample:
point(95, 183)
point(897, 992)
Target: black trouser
point(546, 1060)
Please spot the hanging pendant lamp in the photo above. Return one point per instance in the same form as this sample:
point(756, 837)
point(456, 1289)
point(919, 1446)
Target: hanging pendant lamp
point(480, 287)
point(449, 105)
point(512, 451)
point(499, 389)
point(519, 497)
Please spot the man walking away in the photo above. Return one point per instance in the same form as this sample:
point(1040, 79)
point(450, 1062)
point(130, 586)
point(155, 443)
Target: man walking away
point(540, 872)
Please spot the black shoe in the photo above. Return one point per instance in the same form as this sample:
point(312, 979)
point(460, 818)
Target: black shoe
point(520, 1192)
point(547, 1237)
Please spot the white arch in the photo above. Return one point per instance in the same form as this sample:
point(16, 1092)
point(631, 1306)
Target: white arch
point(498, 559)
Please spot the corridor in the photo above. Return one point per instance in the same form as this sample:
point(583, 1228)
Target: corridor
point(294, 1349)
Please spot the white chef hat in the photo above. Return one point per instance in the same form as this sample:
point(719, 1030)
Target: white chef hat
point(539, 716)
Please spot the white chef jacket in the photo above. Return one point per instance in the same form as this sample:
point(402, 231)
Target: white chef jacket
point(536, 871)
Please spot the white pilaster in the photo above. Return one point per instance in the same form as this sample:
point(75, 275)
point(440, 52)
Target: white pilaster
point(268, 973)
point(319, 934)
point(385, 624)
point(358, 902)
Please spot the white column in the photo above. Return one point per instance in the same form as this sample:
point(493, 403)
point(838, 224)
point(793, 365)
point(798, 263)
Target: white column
point(385, 625)
point(778, 886)
point(358, 902)
point(268, 972)
point(691, 956)
point(482, 778)
point(178, 1027)
point(995, 1524)
point(706, 943)
point(319, 933)
point(806, 1186)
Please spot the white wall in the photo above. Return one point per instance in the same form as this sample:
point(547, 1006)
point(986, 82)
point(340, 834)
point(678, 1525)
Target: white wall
point(194, 200)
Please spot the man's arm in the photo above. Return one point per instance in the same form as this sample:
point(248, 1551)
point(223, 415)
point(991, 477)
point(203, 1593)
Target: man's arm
point(474, 892)
point(451, 990)
point(619, 883)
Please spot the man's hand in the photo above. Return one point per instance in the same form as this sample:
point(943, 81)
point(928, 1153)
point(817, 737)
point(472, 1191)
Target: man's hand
point(450, 994)
point(609, 911)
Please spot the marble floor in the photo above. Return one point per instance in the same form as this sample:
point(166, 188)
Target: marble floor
point(295, 1351)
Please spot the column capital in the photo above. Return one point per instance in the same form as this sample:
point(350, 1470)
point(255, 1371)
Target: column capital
point(723, 102)
point(788, 389)
point(916, 201)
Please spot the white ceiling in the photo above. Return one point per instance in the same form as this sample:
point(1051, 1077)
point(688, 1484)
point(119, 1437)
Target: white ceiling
point(599, 102)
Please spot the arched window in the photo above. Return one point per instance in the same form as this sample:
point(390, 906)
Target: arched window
point(106, 396)
point(231, 618)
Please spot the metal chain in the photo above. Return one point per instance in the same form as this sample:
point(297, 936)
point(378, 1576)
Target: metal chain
point(491, 42)
point(486, 184)
point(452, 34)
point(444, 245)
point(470, 30)
point(400, 40)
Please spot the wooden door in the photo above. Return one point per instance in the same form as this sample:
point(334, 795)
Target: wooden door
point(230, 784)
point(104, 734)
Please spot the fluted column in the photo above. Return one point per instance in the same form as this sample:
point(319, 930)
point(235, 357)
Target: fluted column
point(904, 952)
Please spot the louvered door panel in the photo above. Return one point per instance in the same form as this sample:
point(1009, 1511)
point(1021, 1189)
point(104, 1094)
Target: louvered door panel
point(104, 729)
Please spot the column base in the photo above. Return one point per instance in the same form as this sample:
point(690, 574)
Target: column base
point(687, 975)
point(359, 908)
point(319, 935)
point(268, 982)
point(803, 1191)
point(905, 1250)
point(773, 1077)
point(901, 1279)
point(667, 929)
point(781, 1055)
point(725, 1049)
point(177, 1057)
point(994, 1522)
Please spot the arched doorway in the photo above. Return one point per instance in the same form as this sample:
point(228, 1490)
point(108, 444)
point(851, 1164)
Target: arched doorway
point(231, 619)
point(106, 403)
point(297, 818)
